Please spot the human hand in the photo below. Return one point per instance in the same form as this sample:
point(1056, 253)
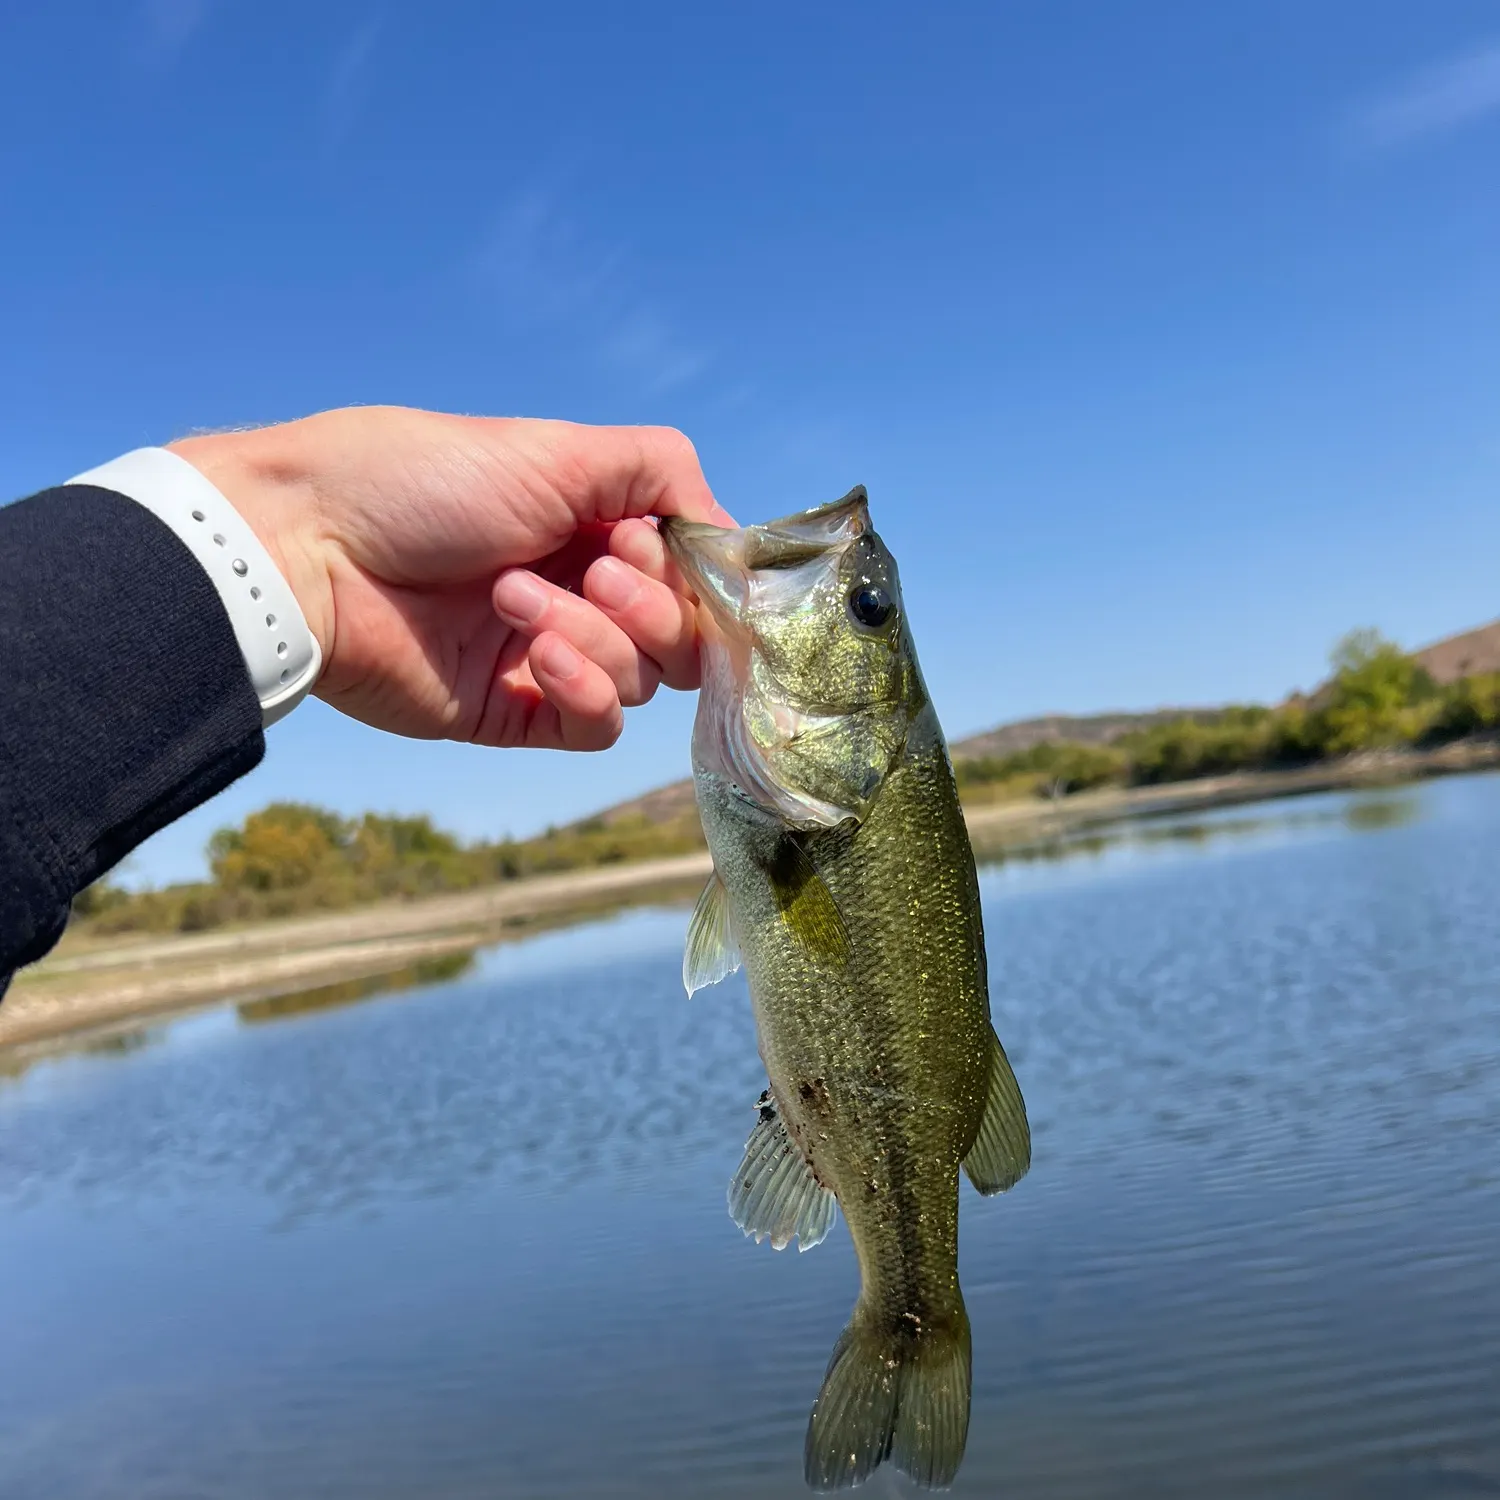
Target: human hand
point(484, 579)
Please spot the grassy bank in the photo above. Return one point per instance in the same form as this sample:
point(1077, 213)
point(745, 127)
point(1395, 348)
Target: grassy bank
point(108, 981)
point(291, 859)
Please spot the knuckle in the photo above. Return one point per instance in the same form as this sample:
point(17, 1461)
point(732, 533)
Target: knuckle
point(641, 690)
point(674, 444)
point(600, 734)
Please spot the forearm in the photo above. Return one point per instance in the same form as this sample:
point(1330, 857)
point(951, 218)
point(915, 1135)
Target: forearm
point(124, 703)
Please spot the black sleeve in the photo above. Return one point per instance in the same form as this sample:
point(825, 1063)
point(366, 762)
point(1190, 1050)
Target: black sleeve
point(124, 700)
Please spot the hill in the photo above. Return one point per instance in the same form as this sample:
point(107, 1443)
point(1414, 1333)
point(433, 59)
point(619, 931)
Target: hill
point(1467, 654)
point(1084, 729)
point(666, 804)
point(663, 805)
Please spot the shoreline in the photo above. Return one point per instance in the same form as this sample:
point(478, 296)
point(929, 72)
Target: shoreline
point(120, 984)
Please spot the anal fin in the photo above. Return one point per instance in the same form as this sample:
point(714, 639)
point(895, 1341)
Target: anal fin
point(1002, 1151)
point(774, 1192)
point(711, 953)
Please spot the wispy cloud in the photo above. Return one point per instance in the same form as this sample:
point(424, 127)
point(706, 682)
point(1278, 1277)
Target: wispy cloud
point(165, 27)
point(645, 348)
point(541, 266)
point(1442, 98)
point(348, 85)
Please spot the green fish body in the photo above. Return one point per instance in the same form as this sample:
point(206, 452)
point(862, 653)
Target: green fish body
point(844, 882)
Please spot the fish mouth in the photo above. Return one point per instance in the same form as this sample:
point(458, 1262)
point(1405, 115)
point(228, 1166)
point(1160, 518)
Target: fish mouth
point(811, 533)
point(716, 560)
point(711, 559)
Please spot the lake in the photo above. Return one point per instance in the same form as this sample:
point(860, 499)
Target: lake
point(469, 1239)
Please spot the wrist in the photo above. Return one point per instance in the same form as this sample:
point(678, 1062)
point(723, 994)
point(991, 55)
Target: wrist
point(262, 474)
point(282, 656)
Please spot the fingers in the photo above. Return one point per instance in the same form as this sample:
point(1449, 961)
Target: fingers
point(566, 566)
point(537, 607)
point(659, 622)
point(639, 543)
point(609, 473)
point(581, 710)
point(544, 694)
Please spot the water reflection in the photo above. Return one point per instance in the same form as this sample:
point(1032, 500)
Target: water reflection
point(351, 991)
point(122, 1042)
point(1311, 816)
point(1373, 812)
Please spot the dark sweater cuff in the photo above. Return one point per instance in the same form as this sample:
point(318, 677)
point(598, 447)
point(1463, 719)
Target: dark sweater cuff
point(124, 700)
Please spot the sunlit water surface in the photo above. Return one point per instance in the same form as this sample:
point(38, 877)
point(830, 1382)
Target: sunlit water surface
point(470, 1241)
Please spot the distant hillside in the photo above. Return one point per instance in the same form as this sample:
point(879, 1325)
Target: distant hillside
point(664, 805)
point(1463, 655)
point(668, 803)
point(1086, 729)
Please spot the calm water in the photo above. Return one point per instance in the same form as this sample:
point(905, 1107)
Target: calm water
point(470, 1241)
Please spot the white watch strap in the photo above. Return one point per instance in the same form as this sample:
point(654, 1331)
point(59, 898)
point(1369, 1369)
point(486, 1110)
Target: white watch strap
point(280, 652)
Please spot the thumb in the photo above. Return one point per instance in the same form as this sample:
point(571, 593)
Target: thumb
point(614, 473)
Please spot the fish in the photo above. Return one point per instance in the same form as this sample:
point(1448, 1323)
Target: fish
point(844, 883)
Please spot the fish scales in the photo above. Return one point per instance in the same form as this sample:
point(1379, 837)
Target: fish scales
point(880, 1072)
point(845, 882)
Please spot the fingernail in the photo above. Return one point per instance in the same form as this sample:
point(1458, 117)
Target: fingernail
point(557, 658)
point(520, 598)
point(613, 583)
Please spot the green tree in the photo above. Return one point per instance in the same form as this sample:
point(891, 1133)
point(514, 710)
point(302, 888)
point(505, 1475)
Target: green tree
point(1375, 684)
point(280, 848)
point(96, 899)
point(1469, 706)
point(1237, 738)
point(1050, 769)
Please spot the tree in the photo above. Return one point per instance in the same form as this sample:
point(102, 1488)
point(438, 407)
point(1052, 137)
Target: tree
point(281, 847)
point(1470, 706)
point(96, 899)
point(1374, 685)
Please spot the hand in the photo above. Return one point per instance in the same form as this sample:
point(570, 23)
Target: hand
point(471, 578)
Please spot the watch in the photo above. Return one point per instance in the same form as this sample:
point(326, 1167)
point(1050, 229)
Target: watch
point(281, 653)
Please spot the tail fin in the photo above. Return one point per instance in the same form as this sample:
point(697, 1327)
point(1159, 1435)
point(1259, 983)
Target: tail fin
point(898, 1392)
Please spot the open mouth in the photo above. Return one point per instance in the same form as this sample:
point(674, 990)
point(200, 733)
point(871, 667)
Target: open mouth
point(711, 558)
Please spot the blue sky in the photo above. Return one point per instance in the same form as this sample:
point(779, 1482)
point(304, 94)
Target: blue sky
point(1164, 335)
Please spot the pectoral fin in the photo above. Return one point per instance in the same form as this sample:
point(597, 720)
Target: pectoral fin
point(1002, 1150)
point(807, 905)
point(774, 1191)
point(711, 953)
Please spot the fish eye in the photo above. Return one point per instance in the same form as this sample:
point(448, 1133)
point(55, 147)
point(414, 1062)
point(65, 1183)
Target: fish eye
point(871, 606)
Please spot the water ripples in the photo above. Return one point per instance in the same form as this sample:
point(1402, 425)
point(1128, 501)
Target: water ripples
point(472, 1242)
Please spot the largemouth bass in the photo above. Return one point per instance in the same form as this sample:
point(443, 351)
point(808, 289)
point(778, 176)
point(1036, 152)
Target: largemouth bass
point(844, 881)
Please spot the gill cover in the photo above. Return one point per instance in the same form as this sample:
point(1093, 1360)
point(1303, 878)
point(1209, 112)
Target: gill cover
point(810, 682)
